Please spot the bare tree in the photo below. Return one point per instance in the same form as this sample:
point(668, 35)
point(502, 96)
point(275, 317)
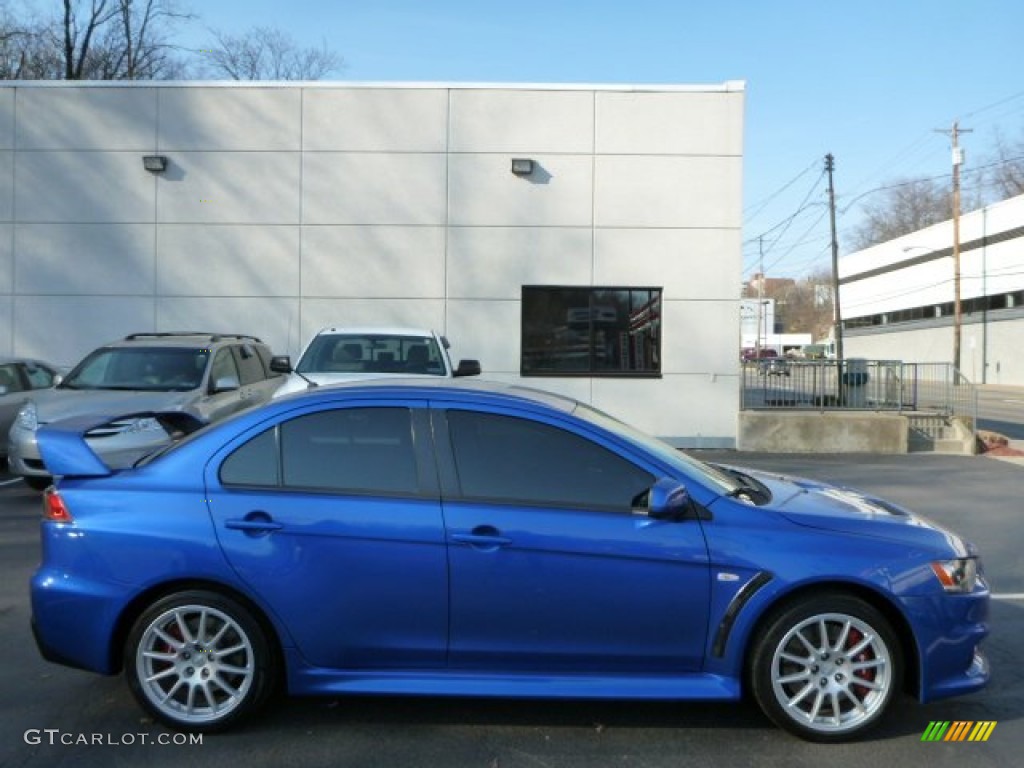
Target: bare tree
point(265, 53)
point(1008, 174)
point(903, 207)
point(92, 40)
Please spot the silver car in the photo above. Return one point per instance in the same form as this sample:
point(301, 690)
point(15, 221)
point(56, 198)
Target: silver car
point(143, 392)
point(19, 378)
point(337, 354)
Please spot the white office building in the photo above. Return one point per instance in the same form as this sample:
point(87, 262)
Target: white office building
point(898, 298)
point(582, 239)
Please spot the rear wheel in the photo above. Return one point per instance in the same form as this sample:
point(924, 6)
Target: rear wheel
point(199, 661)
point(827, 668)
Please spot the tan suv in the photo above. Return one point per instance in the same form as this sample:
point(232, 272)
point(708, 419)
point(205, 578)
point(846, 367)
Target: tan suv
point(146, 390)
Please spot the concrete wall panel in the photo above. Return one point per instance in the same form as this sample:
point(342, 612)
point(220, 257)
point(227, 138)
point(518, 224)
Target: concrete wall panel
point(669, 123)
point(6, 260)
point(692, 340)
point(83, 187)
point(84, 259)
point(227, 260)
point(373, 262)
point(271, 319)
point(690, 263)
point(495, 262)
point(484, 192)
point(522, 121)
point(230, 188)
point(203, 119)
point(375, 119)
point(353, 188)
point(89, 118)
point(83, 323)
point(487, 331)
point(664, 191)
point(7, 118)
point(701, 407)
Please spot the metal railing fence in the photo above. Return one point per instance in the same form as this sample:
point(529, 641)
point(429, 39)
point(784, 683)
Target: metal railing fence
point(856, 384)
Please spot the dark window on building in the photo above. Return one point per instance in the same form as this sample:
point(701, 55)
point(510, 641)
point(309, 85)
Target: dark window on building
point(516, 460)
point(590, 331)
point(350, 450)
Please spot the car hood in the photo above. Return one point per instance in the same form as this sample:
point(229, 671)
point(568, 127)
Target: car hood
point(296, 383)
point(54, 404)
point(815, 504)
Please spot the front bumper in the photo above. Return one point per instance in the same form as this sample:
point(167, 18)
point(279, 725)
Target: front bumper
point(23, 457)
point(950, 631)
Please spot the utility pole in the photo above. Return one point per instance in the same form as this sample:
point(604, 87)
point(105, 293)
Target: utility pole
point(760, 297)
point(837, 315)
point(958, 160)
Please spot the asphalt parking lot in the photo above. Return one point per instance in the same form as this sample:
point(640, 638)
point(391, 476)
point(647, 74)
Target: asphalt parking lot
point(53, 716)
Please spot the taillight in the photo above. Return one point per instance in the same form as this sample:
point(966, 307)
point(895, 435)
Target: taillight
point(54, 508)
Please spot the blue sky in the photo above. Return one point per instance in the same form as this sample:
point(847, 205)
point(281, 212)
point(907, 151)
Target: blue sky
point(868, 81)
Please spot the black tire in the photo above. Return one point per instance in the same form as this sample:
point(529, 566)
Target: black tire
point(37, 483)
point(841, 689)
point(175, 670)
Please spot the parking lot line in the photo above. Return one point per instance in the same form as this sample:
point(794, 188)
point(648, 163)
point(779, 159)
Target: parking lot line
point(1009, 596)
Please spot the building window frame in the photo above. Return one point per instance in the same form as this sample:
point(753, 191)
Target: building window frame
point(591, 331)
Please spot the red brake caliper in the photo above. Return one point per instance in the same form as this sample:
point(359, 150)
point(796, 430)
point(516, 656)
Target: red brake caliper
point(852, 639)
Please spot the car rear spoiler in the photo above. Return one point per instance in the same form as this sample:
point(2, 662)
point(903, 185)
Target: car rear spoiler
point(66, 453)
point(64, 450)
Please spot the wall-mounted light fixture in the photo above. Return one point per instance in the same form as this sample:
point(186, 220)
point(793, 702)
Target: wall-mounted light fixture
point(522, 166)
point(154, 163)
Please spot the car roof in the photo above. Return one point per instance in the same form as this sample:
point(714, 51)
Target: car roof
point(5, 359)
point(436, 388)
point(373, 330)
point(181, 339)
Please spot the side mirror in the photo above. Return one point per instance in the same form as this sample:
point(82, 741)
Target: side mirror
point(226, 384)
point(668, 499)
point(467, 368)
point(281, 364)
point(3, 389)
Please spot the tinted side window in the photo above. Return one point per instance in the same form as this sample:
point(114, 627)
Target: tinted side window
point(254, 463)
point(38, 376)
point(223, 366)
point(249, 366)
point(365, 450)
point(9, 378)
point(515, 459)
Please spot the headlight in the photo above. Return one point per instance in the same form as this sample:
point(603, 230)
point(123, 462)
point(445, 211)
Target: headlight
point(27, 418)
point(147, 424)
point(960, 575)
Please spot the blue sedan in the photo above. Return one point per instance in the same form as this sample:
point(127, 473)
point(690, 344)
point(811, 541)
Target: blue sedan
point(488, 540)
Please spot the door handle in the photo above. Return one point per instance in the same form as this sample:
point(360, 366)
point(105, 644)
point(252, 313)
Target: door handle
point(483, 536)
point(254, 523)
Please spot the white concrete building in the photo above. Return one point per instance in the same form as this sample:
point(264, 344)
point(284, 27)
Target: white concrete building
point(609, 271)
point(897, 297)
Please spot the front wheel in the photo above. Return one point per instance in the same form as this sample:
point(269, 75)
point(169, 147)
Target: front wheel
point(198, 661)
point(827, 668)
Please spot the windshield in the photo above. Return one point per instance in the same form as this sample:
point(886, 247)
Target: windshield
point(155, 369)
point(711, 476)
point(372, 353)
